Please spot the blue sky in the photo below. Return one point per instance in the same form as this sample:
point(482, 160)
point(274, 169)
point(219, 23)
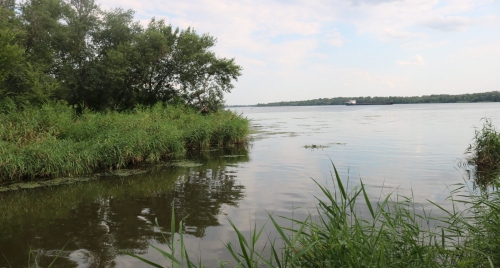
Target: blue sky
point(298, 50)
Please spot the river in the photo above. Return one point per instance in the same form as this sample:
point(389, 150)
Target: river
point(407, 149)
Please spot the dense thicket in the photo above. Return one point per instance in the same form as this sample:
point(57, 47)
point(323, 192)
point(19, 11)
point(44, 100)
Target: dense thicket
point(493, 96)
point(48, 141)
point(103, 59)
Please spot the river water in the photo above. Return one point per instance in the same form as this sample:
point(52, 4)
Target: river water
point(408, 149)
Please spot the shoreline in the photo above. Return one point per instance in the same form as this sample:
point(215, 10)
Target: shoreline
point(55, 144)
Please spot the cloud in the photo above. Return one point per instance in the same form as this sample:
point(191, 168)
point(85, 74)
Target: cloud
point(279, 42)
point(401, 35)
point(371, 2)
point(489, 51)
point(399, 20)
point(450, 23)
point(415, 60)
point(456, 23)
point(335, 38)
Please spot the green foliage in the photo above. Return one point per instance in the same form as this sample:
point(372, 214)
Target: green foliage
point(486, 147)
point(51, 141)
point(493, 96)
point(93, 58)
point(483, 246)
point(24, 76)
point(10, 52)
point(8, 4)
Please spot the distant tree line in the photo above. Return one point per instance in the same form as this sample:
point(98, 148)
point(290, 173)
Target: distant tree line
point(72, 50)
point(493, 96)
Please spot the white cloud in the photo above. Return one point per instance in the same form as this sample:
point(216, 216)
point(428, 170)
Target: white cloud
point(490, 50)
point(390, 20)
point(279, 42)
point(335, 38)
point(402, 34)
point(415, 60)
point(451, 23)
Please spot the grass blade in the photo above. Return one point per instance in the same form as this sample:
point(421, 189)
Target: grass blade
point(367, 201)
point(143, 260)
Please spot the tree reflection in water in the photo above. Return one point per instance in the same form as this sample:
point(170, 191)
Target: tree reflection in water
point(101, 219)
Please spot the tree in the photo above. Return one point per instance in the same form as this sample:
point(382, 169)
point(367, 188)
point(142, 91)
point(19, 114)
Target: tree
point(203, 77)
point(19, 79)
point(8, 4)
point(159, 70)
point(10, 52)
point(116, 61)
point(77, 52)
point(73, 50)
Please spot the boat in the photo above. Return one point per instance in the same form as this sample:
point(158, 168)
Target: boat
point(353, 102)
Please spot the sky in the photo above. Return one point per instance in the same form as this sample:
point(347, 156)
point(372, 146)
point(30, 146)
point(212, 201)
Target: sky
point(307, 49)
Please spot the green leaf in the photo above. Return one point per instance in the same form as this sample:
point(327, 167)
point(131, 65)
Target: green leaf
point(368, 203)
point(143, 260)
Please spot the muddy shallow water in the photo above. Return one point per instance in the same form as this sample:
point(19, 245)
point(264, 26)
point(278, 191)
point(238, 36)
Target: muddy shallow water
point(401, 148)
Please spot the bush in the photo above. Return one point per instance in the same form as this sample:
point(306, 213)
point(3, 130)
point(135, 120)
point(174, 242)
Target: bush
point(486, 147)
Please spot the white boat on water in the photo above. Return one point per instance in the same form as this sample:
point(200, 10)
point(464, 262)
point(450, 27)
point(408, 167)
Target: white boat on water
point(353, 102)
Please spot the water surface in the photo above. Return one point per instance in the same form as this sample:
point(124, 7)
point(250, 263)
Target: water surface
point(402, 148)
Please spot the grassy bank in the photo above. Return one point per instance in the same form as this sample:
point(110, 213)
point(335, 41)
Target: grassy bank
point(52, 141)
point(353, 231)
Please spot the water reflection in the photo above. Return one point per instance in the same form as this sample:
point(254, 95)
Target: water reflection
point(482, 177)
point(485, 177)
point(98, 220)
point(411, 150)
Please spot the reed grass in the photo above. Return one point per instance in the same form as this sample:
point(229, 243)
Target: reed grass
point(394, 233)
point(51, 141)
point(485, 148)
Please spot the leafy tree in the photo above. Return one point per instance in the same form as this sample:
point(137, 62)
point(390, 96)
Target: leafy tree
point(76, 62)
point(159, 71)
point(204, 78)
point(19, 78)
point(8, 4)
point(73, 50)
point(10, 52)
point(118, 59)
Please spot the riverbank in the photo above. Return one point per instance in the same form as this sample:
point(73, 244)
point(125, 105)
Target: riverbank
point(51, 141)
point(493, 96)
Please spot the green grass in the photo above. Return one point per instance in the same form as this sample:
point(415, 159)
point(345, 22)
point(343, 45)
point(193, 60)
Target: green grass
point(51, 141)
point(394, 232)
point(485, 148)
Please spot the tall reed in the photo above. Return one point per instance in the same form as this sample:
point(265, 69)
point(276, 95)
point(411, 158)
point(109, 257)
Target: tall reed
point(485, 148)
point(393, 233)
point(52, 141)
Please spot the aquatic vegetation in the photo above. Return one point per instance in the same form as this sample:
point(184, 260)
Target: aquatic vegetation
point(337, 143)
point(394, 232)
point(187, 164)
point(315, 146)
point(486, 146)
point(51, 141)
